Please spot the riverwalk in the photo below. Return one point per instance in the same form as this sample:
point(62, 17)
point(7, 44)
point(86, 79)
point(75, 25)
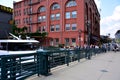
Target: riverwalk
point(104, 66)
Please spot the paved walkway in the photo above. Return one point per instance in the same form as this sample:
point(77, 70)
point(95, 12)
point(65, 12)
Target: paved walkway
point(102, 67)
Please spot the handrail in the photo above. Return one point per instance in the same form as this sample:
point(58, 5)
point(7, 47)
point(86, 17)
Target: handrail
point(17, 67)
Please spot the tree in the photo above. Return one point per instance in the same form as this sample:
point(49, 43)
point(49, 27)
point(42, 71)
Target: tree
point(24, 29)
point(105, 39)
point(14, 29)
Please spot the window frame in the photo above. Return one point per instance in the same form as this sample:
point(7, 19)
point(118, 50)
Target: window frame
point(52, 17)
point(67, 27)
point(52, 28)
point(42, 9)
point(67, 15)
point(57, 16)
point(74, 14)
point(71, 3)
point(57, 27)
point(74, 26)
point(55, 6)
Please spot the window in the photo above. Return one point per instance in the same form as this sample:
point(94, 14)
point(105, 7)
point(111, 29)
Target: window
point(42, 9)
point(66, 39)
point(30, 29)
point(43, 28)
point(20, 12)
point(73, 40)
point(43, 18)
point(25, 3)
point(52, 17)
point(74, 26)
point(67, 15)
point(52, 28)
point(24, 12)
point(30, 10)
point(39, 18)
point(27, 20)
point(58, 16)
point(51, 42)
point(30, 19)
point(56, 41)
point(74, 14)
point(30, 1)
point(55, 6)
point(57, 27)
point(71, 3)
point(67, 27)
point(39, 29)
point(67, 42)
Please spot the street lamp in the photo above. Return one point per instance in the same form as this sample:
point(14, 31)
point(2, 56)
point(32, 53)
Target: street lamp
point(79, 37)
point(88, 29)
point(88, 40)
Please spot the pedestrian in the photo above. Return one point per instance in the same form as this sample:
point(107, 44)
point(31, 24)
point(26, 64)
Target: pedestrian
point(115, 48)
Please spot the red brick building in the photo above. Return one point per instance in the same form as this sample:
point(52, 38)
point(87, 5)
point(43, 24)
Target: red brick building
point(69, 22)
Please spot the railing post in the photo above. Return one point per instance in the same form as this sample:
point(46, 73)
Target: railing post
point(89, 53)
point(3, 68)
point(86, 53)
point(43, 63)
point(13, 68)
point(78, 52)
point(67, 57)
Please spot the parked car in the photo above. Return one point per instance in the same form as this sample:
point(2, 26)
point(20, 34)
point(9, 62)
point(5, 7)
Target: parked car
point(116, 47)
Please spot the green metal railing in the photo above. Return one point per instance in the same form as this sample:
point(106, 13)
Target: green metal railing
point(51, 59)
point(18, 67)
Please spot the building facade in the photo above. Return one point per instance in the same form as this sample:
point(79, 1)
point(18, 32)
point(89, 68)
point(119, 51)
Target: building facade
point(5, 19)
point(68, 22)
point(117, 36)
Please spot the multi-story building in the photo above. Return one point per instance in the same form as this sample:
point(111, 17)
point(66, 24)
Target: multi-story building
point(69, 22)
point(5, 19)
point(117, 36)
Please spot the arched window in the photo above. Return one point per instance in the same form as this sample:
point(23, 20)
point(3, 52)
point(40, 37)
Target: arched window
point(42, 9)
point(71, 3)
point(55, 6)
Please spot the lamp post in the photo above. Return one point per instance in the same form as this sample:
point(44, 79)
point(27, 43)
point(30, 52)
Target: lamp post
point(79, 37)
point(88, 29)
point(88, 41)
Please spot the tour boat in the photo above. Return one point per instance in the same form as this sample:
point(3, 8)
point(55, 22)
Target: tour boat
point(18, 46)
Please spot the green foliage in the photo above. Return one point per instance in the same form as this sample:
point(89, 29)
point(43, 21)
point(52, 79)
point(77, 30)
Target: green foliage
point(23, 32)
point(61, 45)
point(105, 39)
point(51, 48)
point(118, 40)
point(14, 28)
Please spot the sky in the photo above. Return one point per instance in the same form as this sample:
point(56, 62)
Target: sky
point(109, 11)
point(110, 16)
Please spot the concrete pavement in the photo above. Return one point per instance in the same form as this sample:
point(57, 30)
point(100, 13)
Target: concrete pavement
point(104, 66)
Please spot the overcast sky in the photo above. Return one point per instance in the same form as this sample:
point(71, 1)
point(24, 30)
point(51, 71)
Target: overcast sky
point(110, 15)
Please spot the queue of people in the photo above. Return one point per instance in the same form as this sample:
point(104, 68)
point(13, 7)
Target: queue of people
point(105, 47)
